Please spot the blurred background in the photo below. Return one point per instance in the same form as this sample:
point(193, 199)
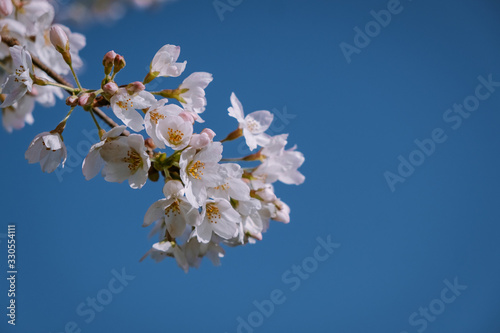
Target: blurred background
point(355, 83)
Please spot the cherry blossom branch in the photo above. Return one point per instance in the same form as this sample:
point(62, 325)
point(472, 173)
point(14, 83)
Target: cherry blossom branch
point(10, 41)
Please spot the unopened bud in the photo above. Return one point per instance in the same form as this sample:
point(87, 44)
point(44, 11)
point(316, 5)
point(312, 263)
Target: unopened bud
point(173, 188)
point(84, 99)
point(149, 143)
point(209, 132)
point(187, 116)
point(6, 7)
point(119, 63)
point(60, 40)
point(72, 100)
point(108, 61)
point(110, 88)
point(282, 212)
point(135, 87)
point(199, 141)
point(257, 236)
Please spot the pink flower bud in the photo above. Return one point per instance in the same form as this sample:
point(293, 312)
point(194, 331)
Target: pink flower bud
point(187, 116)
point(135, 87)
point(209, 132)
point(282, 212)
point(59, 39)
point(110, 88)
point(109, 58)
point(84, 99)
point(199, 141)
point(119, 63)
point(6, 7)
point(257, 236)
point(72, 101)
point(149, 143)
point(108, 61)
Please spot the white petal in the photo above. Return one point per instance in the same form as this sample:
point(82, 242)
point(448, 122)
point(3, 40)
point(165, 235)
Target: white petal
point(156, 211)
point(262, 118)
point(236, 110)
point(92, 164)
point(204, 232)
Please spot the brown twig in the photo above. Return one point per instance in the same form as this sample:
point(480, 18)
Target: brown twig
point(10, 41)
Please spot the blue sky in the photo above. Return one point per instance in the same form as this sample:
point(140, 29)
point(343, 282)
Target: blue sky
point(420, 257)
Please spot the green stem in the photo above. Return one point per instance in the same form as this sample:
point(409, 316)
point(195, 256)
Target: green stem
point(76, 77)
point(62, 125)
point(67, 116)
point(95, 121)
point(65, 87)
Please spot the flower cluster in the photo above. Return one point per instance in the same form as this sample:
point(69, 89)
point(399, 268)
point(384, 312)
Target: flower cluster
point(208, 201)
point(29, 24)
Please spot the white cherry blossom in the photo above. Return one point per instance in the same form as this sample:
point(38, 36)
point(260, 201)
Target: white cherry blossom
point(126, 158)
point(164, 62)
point(125, 106)
point(219, 217)
point(157, 111)
point(195, 251)
point(161, 250)
point(20, 81)
point(174, 132)
point(233, 186)
point(48, 149)
point(193, 91)
point(200, 170)
point(253, 125)
point(93, 163)
point(36, 16)
point(280, 164)
point(173, 213)
point(14, 117)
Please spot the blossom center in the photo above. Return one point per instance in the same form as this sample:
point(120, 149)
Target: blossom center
point(196, 169)
point(213, 213)
point(222, 187)
point(173, 209)
point(19, 71)
point(155, 116)
point(133, 159)
point(175, 137)
point(252, 125)
point(125, 104)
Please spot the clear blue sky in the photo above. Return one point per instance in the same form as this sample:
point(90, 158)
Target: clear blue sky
point(351, 120)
